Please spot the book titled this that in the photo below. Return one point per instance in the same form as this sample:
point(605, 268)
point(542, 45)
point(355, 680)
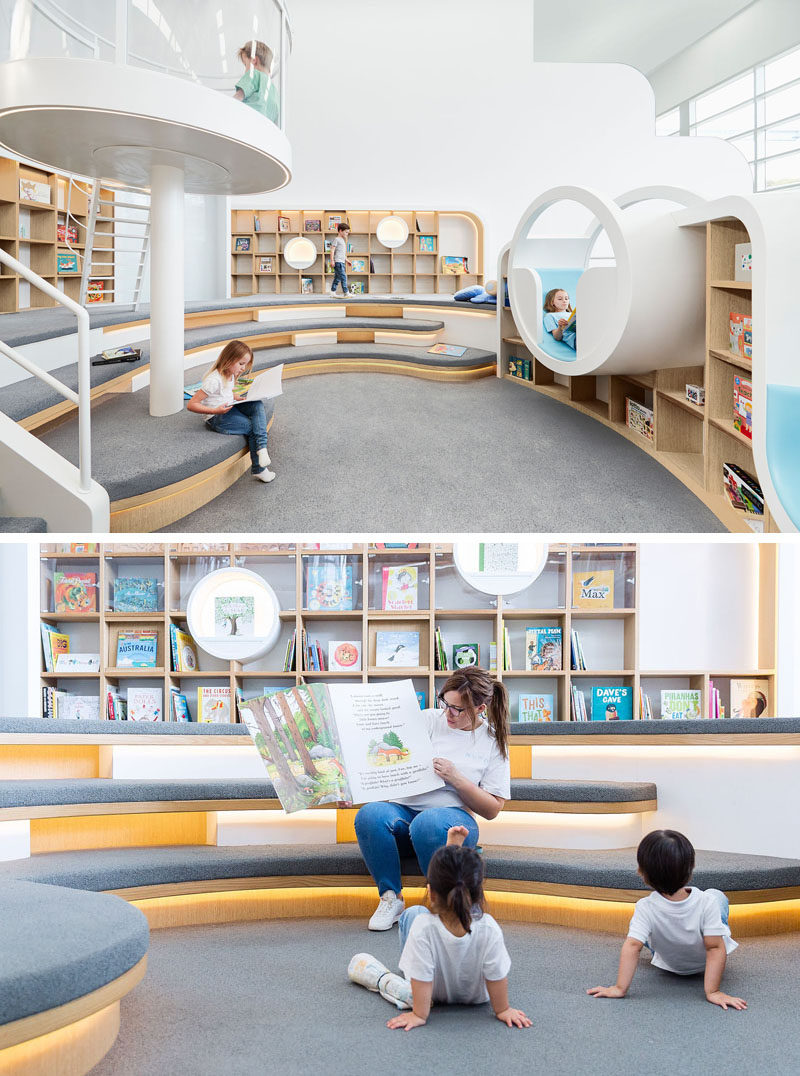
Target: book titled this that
point(535, 708)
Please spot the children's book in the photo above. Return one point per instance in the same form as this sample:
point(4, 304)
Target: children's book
point(750, 698)
point(184, 650)
point(593, 590)
point(180, 705)
point(145, 704)
point(344, 655)
point(358, 265)
point(234, 615)
point(354, 743)
point(68, 233)
point(312, 225)
point(743, 406)
point(137, 649)
point(284, 224)
point(466, 654)
point(79, 707)
point(214, 704)
point(399, 587)
point(639, 419)
point(67, 263)
point(75, 592)
point(454, 350)
point(535, 708)
point(95, 291)
point(126, 352)
point(542, 649)
point(395, 649)
point(54, 644)
point(498, 558)
point(741, 335)
point(135, 595)
point(454, 265)
point(334, 220)
point(742, 489)
point(241, 244)
point(77, 663)
point(329, 586)
point(680, 705)
point(265, 385)
point(307, 285)
point(31, 190)
point(420, 699)
point(426, 244)
point(356, 287)
point(612, 703)
point(265, 265)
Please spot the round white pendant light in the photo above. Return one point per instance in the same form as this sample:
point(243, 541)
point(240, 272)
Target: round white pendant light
point(500, 567)
point(234, 614)
point(300, 253)
point(392, 231)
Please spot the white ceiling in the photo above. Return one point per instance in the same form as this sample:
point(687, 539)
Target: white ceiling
point(642, 33)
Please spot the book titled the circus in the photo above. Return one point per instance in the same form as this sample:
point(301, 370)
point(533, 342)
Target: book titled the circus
point(342, 743)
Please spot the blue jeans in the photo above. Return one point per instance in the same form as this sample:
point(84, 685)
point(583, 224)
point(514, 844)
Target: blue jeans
point(249, 419)
point(405, 921)
point(385, 831)
point(724, 908)
point(339, 277)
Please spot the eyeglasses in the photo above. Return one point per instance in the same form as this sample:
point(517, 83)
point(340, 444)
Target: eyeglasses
point(447, 706)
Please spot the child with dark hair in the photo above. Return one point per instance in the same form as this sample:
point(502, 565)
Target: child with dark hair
point(455, 952)
point(685, 928)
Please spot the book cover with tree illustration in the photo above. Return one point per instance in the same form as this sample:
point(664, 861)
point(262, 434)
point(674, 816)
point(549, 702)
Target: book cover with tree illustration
point(350, 743)
point(234, 615)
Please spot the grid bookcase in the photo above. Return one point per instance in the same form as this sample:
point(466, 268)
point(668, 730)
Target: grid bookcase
point(29, 233)
point(609, 636)
point(691, 441)
point(414, 267)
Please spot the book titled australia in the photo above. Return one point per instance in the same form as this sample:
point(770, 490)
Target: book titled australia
point(137, 649)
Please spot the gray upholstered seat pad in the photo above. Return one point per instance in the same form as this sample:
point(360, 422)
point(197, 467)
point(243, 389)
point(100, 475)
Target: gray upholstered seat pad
point(123, 868)
point(22, 525)
point(57, 944)
point(751, 726)
point(50, 792)
point(15, 726)
point(31, 326)
point(30, 396)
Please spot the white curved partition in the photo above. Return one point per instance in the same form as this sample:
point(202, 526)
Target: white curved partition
point(644, 312)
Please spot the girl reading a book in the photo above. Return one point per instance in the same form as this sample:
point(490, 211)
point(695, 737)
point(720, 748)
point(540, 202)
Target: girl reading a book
point(454, 953)
point(229, 412)
point(469, 735)
point(557, 321)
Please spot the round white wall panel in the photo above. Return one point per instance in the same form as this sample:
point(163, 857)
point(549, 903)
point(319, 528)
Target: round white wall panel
point(392, 231)
point(234, 614)
point(300, 253)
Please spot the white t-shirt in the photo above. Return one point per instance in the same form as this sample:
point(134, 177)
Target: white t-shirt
point(218, 390)
point(457, 967)
point(675, 929)
point(474, 754)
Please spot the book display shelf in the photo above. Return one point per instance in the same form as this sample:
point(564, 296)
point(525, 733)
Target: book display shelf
point(692, 441)
point(259, 237)
point(449, 614)
point(30, 230)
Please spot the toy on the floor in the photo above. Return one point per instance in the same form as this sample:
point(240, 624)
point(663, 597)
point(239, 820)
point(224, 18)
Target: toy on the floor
point(367, 971)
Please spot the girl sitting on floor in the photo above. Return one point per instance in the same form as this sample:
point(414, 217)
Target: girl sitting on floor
point(232, 413)
point(453, 953)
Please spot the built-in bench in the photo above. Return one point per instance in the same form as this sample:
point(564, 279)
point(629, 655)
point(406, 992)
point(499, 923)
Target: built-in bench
point(22, 525)
point(54, 798)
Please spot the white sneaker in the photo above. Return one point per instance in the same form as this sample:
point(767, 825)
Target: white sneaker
point(387, 913)
point(265, 475)
point(263, 457)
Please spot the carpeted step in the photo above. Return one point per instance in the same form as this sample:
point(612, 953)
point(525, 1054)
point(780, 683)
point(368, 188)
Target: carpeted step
point(58, 945)
point(22, 525)
point(123, 868)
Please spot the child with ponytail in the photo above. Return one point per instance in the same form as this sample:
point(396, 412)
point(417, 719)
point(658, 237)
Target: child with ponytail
point(453, 953)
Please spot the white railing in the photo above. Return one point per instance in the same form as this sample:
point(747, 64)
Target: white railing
point(81, 397)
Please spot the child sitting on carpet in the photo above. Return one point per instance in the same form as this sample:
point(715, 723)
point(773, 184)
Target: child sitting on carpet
point(454, 953)
point(229, 413)
point(686, 929)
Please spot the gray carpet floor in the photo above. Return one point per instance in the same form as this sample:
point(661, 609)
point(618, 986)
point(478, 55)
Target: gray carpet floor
point(274, 998)
point(367, 452)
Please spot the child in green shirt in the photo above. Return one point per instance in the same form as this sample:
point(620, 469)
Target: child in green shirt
point(255, 87)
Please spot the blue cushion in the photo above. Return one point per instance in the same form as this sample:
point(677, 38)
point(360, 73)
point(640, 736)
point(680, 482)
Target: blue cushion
point(485, 298)
point(468, 293)
point(783, 453)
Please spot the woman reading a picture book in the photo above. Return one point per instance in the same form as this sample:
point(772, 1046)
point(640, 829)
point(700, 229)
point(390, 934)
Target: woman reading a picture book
point(469, 735)
point(231, 413)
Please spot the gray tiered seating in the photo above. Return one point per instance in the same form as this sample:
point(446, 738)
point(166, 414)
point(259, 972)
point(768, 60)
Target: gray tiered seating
point(22, 525)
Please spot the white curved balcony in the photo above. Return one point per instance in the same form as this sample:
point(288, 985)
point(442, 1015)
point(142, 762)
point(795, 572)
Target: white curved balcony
point(110, 90)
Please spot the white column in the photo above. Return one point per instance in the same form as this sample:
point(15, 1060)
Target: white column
point(166, 290)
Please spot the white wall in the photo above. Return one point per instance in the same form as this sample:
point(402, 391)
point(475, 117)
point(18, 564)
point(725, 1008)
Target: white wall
point(445, 108)
point(19, 612)
point(763, 29)
point(789, 630)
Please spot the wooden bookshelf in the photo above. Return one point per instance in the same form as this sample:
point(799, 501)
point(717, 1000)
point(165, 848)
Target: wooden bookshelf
point(409, 269)
point(610, 637)
point(29, 233)
point(692, 442)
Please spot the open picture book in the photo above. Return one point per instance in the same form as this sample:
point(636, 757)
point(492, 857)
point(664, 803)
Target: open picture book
point(342, 743)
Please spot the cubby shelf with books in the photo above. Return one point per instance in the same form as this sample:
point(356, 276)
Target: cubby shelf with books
point(31, 230)
point(692, 441)
point(259, 238)
point(362, 643)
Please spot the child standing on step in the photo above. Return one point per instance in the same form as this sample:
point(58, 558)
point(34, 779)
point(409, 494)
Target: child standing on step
point(686, 929)
point(339, 258)
point(453, 953)
point(229, 413)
